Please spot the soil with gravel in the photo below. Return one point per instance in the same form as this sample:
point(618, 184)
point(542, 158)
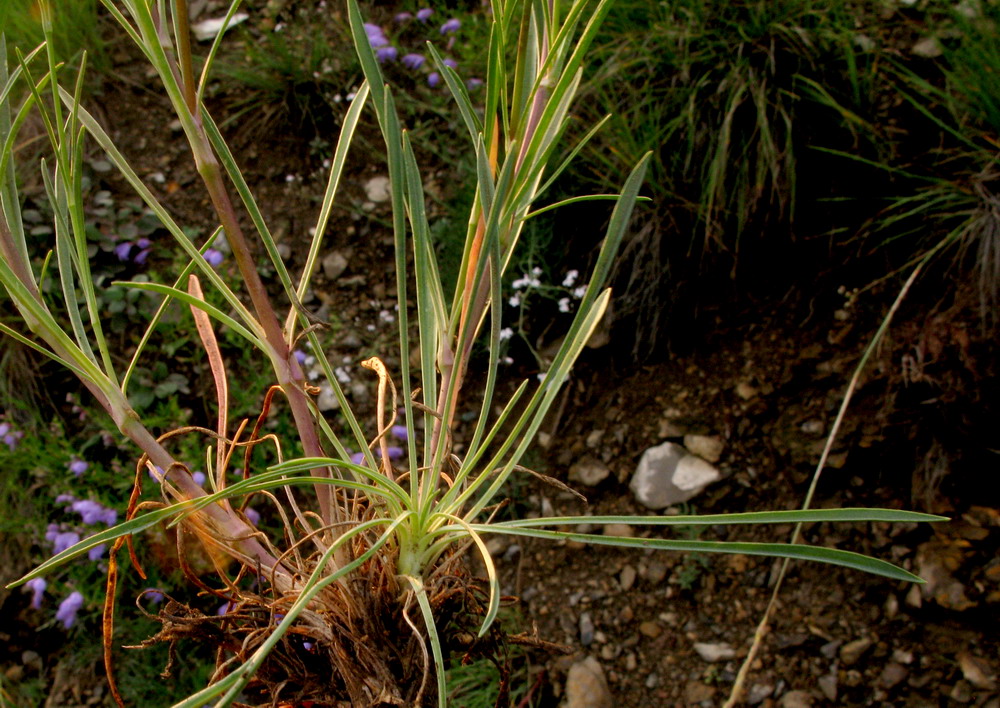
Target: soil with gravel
point(768, 388)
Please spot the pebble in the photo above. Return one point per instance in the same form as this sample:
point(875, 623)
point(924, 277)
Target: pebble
point(759, 692)
point(707, 447)
point(714, 651)
point(745, 391)
point(695, 692)
point(852, 651)
point(589, 471)
point(586, 629)
point(327, 401)
point(626, 579)
point(619, 530)
point(656, 572)
point(892, 675)
point(334, 265)
point(650, 629)
point(668, 474)
point(828, 685)
point(586, 686)
point(796, 699)
point(377, 189)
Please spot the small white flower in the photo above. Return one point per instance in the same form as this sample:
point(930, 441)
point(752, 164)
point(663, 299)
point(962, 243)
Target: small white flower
point(520, 283)
point(564, 304)
point(570, 278)
point(342, 375)
point(351, 95)
point(507, 360)
point(506, 333)
point(541, 376)
point(370, 328)
point(579, 292)
point(386, 316)
point(515, 300)
point(289, 178)
point(536, 271)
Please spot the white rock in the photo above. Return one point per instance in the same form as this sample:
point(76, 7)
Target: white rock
point(589, 471)
point(377, 189)
point(714, 652)
point(326, 400)
point(668, 474)
point(586, 687)
point(707, 447)
point(209, 29)
point(334, 265)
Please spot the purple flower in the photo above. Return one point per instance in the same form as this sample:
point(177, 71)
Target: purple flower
point(253, 516)
point(96, 552)
point(153, 595)
point(155, 475)
point(424, 14)
point(9, 435)
point(37, 587)
point(68, 609)
point(413, 61)
point(143, 243)
point(375, 35)
point(403, 17)
point(141, 256)
point(433, 79)
point(77, 466)
point(89, 510)
point(384, 54)
point(450, 63)
point(63, 540)
point(199, 478)
point(65, 498)
point(300, 356)
point(123, 249)
point(213, 257)
point(224, 609)
point(395, 452)
point(399, 432)
point(358, 458)
point(473, 83)
point(450, 26)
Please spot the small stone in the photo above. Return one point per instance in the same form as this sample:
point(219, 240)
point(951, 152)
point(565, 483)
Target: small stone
point(650, 629)
point(377, 189)
point(607, 652)
point(631, 663)
point(928, 48)
point(892, 675)
point(14, 673)
point(327, 401)
point(586, 686)
point(745, 391)
point(586, 629)
point(961, 692)
point(758, 693)
point(669, 429)
point(652, 680)
point(626, 579)
point(668, 474)
point(334, 265)
point(714, 651)
point(594, 439)
point(696, 692)
point(977, 672)
point(284, 250)
point(619, 530)
point(656, 572)
point(796, 699)
point(589, 471)
point(707, 447)
point(852, 651)
point(828, 685)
